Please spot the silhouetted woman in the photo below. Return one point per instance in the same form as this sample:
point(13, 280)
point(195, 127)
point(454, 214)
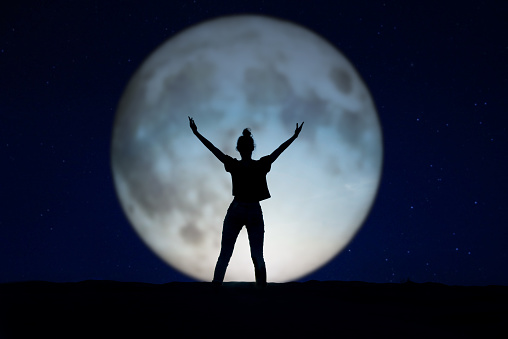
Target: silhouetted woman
point(249, 188)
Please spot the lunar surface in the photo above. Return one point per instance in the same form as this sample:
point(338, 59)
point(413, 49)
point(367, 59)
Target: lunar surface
point(228, 74)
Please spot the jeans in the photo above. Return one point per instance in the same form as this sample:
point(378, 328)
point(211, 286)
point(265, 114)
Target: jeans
point(238, 215)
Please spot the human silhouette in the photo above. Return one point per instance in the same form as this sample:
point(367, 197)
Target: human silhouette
point(249, 188)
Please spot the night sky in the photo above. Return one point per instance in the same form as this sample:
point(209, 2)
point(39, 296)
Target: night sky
point(438, 75)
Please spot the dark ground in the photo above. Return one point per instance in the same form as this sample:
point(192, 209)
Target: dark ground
point(311, 309)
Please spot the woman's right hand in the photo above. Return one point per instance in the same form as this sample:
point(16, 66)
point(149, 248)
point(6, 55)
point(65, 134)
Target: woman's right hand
point(192, 124)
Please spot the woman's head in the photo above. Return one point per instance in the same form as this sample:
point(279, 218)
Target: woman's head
point(245, 143)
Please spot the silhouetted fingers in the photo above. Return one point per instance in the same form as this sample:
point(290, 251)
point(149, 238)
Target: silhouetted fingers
point(192, 124)
point(298, 128)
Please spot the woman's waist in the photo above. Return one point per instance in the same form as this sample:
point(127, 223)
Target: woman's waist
point(246, 202)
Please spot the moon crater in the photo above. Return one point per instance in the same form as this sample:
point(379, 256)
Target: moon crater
point(342, 80)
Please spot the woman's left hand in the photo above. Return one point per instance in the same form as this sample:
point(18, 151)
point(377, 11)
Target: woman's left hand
point(298, 129)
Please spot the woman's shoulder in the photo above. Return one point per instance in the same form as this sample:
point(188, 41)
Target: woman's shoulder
point(230, 163)
point(265, 163)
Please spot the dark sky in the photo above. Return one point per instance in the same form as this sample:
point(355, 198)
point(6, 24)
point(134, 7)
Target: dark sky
point(438, 75)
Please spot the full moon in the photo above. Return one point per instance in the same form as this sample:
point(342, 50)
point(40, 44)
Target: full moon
point(228, 74)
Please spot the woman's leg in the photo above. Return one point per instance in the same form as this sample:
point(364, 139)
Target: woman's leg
point(230, 230)
point(256, 229)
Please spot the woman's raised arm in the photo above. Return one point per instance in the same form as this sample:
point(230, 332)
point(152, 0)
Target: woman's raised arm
point(275, 154)
point(221, 156)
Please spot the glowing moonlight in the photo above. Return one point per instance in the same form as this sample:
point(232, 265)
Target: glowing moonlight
point(228, 74)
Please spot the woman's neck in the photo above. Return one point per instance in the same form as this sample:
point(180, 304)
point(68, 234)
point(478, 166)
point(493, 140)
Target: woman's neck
point(246, 156)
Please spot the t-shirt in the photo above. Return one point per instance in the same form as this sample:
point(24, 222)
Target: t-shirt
point(249, 179)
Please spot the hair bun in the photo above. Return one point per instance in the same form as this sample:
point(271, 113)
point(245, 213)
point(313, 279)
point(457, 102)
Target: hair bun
point(245, 142)
point(246, 133)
